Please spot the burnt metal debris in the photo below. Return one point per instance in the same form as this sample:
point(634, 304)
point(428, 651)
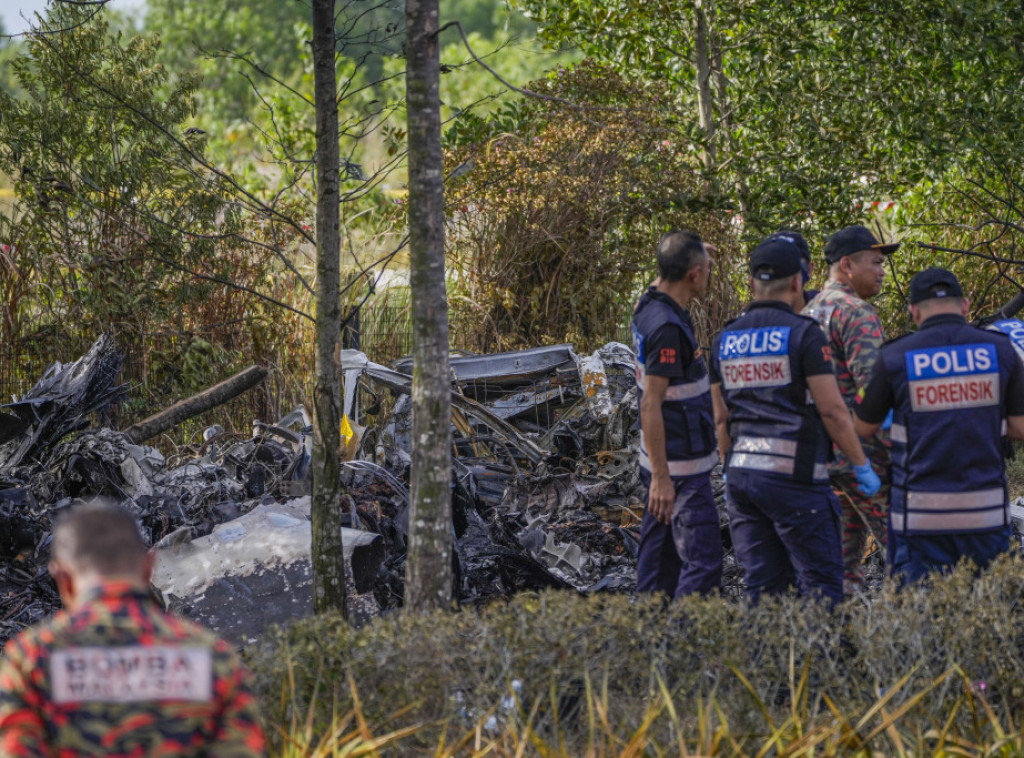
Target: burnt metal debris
point(545, 487)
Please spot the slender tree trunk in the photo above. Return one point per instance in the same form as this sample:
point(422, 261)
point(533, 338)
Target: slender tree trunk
point(705, 98)
point(724, 106)
point(429, 568)
point(328, 555)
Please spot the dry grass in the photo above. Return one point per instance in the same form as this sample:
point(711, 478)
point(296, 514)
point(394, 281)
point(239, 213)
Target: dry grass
point(700, 728)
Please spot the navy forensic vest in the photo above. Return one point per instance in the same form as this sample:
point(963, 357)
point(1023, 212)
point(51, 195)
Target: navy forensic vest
point(949, 385)
point(773, 424)
point(1012, 328)
point(689, 421)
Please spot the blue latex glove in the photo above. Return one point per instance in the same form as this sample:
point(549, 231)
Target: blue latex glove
point(887, 422)
point(867, 480)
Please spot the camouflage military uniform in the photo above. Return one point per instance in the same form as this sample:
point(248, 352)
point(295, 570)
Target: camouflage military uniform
point(855, 335)
point(118, 677)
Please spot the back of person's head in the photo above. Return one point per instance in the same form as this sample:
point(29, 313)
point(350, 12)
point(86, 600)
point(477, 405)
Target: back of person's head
point(98, 537)
point(678, 252)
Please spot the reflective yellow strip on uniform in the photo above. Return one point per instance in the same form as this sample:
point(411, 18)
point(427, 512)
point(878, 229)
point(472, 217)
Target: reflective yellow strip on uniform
point(688, 390)
point(932, 521)
point(775, 445)
point(956, 501)
point(773, 464)
point(683, 468)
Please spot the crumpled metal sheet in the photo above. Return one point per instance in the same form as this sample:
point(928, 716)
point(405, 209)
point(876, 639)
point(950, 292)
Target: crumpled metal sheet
point(544, 468)
point(546, 492)
point(256, 570)
point(61, 401)
point(50, 459)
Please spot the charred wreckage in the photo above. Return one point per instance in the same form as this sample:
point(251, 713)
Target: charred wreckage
point(545, 487)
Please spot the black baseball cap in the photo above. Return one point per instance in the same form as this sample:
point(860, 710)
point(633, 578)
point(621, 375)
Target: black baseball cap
point(797, 239)
point(934, 282)
point(775, 258)
point(852, 240)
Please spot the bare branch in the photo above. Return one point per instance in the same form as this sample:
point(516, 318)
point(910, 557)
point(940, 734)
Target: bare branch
point(529, 93)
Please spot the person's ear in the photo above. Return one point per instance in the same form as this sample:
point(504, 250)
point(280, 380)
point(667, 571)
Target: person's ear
point(915, 313)
point(965, 307)
point(65, 582)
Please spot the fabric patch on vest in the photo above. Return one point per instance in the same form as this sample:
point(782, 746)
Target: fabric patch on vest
point(751, 358)
point(953, 377)
point(131, 674)
point(638, 356)
point(1014, 329)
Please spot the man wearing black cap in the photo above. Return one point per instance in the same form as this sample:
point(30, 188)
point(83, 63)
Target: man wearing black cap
point(856, 272)
point(777, 412)
point(680, 538)
point(806, 263)
point(955, 390)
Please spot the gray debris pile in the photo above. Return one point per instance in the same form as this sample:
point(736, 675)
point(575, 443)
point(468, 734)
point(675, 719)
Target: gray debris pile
point(48, 457)
point(545, 487)
point(546, 490)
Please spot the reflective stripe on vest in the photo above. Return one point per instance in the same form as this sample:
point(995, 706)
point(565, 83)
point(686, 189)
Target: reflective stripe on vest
point(682, 468)
point(898, 433)
point(689, 390)
point(772, 445)
point(929, 521)
point(936, 501)
point(952, 511)
point(774, 464)
point(685, 391)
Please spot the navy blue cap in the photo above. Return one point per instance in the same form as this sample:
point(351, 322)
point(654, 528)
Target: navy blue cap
point(934, 282)
point(852, 240)
point(797, 239)
point(775, 258)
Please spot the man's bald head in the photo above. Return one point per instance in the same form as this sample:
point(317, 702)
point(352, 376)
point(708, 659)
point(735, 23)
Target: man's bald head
point(98, 538)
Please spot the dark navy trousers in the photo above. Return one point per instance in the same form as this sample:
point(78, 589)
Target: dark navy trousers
point(913, 556)
point(785, 534)
point(685, 556)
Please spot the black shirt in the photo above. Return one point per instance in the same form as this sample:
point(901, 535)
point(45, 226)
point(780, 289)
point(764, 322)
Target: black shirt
point(667, 352)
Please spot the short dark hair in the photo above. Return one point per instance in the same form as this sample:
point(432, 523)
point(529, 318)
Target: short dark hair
point(98, 536)
point(678, 251)
point(772, 287)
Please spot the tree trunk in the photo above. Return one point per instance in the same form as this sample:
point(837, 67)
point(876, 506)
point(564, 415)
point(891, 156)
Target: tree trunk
point(328, 555)
point(429, 568)
point(724, 125)
point(705, 99)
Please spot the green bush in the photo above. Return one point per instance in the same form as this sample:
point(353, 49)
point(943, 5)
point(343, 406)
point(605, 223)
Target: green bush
point(903, 660)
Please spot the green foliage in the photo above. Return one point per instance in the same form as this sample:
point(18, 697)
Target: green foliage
point(116, 222)
point(205, 37)
point(251, 55)
point(821, 106)
point(9, 50)
point(489, 19)
point(934, 665)
point(558, 209)
point(968, 224)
